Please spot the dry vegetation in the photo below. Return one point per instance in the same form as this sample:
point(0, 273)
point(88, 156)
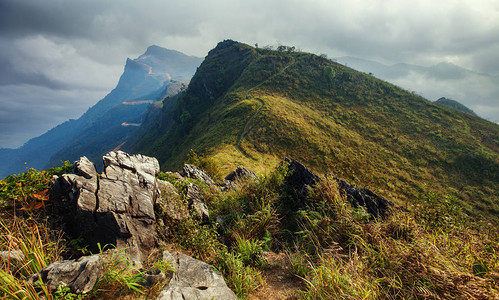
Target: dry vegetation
point(326, 250)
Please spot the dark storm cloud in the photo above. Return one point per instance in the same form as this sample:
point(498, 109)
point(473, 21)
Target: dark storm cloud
point(77, 49)
point(11, 76)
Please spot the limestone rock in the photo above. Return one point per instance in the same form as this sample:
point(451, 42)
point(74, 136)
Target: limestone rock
point(9, 255)
point(194, 172)
point(232, 180)
point(118, 207)
point(171, 205)
point(241, 173)
point(193, 194)
point(300, 179)
point(193, 279)
point(80, 275)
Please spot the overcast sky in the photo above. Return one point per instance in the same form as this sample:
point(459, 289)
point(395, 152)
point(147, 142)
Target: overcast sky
point(58, 58)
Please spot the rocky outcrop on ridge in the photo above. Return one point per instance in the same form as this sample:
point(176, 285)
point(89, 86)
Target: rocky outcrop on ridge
point(116, 207)
point(79, 275)
point(193, 279)
point(127, 206)
point(194, 172)
point(299, 179)
point(375, 205)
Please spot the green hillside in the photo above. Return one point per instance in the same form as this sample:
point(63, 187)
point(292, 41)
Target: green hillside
point(250, 107)
point(454, 105)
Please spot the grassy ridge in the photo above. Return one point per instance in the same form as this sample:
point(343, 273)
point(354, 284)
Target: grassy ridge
point(334, 119)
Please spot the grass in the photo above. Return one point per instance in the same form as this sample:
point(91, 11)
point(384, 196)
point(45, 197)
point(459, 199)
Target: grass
point(441, 166)
point(337, 251)
point(37, 247)
point(332, 118)
point(396, 258)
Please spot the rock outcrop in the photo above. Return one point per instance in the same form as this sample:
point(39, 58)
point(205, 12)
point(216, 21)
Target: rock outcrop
point(300, 179)
point(193, 194)
point(118, 207)
point(375, 205)
point(79, 275)
point(237, 176)
point(193, 279)
point(241, 173)
point(194, 172)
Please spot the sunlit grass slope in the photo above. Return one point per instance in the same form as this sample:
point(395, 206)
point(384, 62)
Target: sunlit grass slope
point(248, 106)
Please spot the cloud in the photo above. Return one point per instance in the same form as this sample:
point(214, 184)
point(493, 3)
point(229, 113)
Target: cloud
point(37, 109)
point(71, 46)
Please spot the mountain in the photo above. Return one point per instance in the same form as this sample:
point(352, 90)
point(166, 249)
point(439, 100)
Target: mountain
point(157, 73)
point(251, 107)
point(454, 105)
point(477, 91)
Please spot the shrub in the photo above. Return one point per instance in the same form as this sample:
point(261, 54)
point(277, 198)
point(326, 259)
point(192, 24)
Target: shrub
point(249, 251)
point(39, 247)
point(240, 278)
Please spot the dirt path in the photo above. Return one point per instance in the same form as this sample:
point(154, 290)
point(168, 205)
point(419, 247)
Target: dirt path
point(279, 285)
point(248, 123)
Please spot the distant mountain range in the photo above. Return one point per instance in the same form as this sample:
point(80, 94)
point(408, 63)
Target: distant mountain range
point(477, 91)
point(157, 73)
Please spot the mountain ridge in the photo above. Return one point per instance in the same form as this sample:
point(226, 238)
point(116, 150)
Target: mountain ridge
point(477, 91)
point(454, 105)
point(330, 117)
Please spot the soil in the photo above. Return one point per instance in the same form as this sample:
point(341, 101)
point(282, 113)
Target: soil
point(278, 283)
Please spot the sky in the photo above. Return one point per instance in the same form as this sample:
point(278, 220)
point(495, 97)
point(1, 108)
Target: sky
point(58, 58)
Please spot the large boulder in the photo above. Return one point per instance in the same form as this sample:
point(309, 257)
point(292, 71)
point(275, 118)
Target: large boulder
point(193, 195)
point(300, 178)
point(375, 205)
point(193, 279)
point(239, 175)
point(115, 208)
point(194, 172)
point(79, 275)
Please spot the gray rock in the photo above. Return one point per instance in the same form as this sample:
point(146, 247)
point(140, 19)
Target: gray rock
point(80, 275)
point(299, 177)
point(375, 205)
point(241, 173)
point(193, 279)
point(85, 168)
point(118, 207)
point(237, 176)
point(194, 172)
point(12, 255)
point(193, 194)
point(171, 205)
